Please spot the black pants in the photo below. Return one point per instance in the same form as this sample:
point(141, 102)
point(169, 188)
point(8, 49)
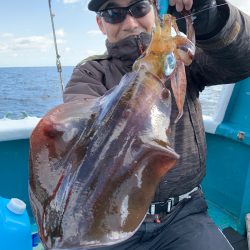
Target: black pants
point(187, 227)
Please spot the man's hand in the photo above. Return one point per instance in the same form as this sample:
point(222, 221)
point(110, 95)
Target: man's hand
point(208, 19)
point(181, 5)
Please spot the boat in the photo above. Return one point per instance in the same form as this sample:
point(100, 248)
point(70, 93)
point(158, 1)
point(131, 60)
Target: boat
point(227, 182)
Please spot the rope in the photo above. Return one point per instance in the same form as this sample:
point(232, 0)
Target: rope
point(58, 63)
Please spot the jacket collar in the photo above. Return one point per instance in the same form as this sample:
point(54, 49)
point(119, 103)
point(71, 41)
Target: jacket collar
point(130, 48)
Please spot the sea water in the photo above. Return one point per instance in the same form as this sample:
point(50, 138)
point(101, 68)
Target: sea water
point(33, 91)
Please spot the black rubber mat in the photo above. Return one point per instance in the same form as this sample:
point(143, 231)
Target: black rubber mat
point(238, 241)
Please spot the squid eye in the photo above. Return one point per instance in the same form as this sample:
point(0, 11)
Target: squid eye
point(170, 63)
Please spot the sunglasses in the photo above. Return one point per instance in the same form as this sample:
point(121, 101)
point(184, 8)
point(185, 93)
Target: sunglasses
point(118, 14)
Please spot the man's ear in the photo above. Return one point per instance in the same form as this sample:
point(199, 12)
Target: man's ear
point(100, 24)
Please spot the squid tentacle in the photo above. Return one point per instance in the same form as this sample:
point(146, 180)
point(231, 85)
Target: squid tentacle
point(184, 53)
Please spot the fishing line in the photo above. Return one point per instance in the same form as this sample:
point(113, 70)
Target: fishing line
point(202, 10)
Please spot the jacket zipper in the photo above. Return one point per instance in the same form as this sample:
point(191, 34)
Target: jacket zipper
point(139, 44)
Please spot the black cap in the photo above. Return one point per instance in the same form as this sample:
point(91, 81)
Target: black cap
point(95, 5)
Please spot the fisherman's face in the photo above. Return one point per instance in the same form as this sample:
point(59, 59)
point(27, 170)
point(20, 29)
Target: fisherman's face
point(129, 26)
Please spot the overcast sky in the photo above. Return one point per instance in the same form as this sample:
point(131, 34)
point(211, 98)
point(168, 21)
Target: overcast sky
point(26, 34)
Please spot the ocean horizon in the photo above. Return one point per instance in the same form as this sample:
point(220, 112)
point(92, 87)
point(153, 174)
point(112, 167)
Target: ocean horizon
point(33, 91)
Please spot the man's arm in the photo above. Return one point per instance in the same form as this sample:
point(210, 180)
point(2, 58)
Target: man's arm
point(85, 82)
point(225, 57)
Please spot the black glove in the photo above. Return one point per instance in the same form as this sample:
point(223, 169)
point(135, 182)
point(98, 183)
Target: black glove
point(207, 17)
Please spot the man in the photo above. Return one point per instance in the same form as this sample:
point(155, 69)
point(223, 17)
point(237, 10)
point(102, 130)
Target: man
point(222, 56)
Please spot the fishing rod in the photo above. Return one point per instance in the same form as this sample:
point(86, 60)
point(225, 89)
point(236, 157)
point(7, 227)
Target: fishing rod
point(58, 63)
point(163, 7)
